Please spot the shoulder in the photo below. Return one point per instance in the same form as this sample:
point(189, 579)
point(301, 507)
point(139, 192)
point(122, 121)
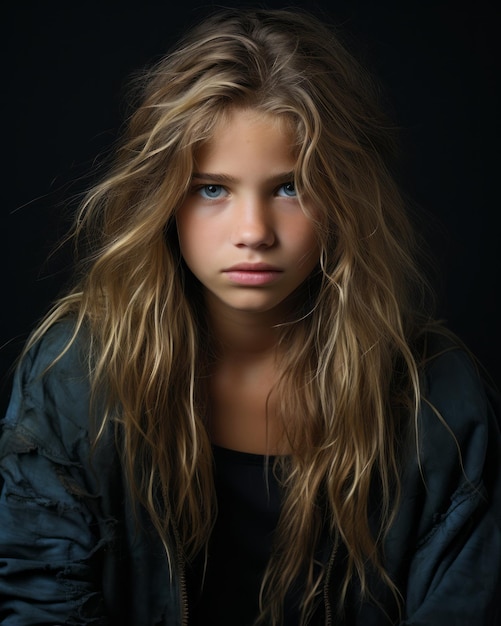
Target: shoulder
point(60, 350)
point(446, 540)
point(450, 462)
point(457, 435)
point(459, 409)
point(49, 404)
point(452, 378)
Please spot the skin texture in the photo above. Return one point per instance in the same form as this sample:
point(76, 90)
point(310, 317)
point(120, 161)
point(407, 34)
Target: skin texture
point(242, 209)
point(244, 235)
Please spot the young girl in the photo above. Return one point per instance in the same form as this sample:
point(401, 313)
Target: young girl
point(243, 413)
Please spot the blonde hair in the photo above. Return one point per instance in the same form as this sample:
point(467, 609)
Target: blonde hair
point(349, 368)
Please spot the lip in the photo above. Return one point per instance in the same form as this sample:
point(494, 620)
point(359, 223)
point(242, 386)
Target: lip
point(252, 274)
point(252, 267)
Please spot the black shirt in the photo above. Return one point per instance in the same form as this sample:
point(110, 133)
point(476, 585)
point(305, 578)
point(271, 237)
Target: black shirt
point(249, 499)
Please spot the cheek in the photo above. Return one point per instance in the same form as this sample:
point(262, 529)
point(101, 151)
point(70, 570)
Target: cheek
point(198, 240)
point(311, 254)
point(186, 233)
point(304, 235)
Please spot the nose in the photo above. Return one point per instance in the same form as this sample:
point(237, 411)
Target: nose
point(253, 224)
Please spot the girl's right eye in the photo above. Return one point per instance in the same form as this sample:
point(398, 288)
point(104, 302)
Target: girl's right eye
point(212, 192)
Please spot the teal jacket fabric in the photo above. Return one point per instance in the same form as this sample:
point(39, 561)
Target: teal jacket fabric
point(72, 551)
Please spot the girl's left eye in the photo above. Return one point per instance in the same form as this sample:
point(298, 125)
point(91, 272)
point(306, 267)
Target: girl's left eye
point(287, 190)
point(212, 192)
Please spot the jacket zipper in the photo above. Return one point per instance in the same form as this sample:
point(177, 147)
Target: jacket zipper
point(183, 593)
point(327, 603)
point(181, 571)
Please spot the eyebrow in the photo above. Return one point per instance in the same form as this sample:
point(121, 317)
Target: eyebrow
point(226, 178)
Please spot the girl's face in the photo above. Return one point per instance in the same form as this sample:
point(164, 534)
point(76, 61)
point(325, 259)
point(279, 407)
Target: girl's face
point(241, 229)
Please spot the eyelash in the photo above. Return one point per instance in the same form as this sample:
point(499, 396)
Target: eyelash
point(202, 188)
point(291, 183)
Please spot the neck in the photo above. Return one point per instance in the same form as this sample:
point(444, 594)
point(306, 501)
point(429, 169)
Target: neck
point(242, 379)
point(240, 334)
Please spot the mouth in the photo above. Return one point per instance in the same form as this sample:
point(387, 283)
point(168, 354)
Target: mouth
point(252, 267)
point(252, 274)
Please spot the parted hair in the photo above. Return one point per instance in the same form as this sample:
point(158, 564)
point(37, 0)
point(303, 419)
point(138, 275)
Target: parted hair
point(348, 373)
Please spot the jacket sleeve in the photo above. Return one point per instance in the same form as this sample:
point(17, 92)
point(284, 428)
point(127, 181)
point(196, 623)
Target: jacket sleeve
point(51, 537)
point(455, 571)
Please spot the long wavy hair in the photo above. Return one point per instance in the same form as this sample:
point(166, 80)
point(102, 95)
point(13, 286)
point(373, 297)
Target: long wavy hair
point(349, 367)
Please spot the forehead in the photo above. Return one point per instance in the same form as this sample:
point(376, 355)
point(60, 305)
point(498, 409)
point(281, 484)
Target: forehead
point(241, 133)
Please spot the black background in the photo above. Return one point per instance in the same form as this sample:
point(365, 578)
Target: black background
point(66, 72)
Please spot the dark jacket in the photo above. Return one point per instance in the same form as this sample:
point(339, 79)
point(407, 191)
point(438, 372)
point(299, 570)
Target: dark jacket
point(72, 551)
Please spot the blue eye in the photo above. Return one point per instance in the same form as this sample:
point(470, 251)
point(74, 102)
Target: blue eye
point(287, 190)
point(212, 192)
